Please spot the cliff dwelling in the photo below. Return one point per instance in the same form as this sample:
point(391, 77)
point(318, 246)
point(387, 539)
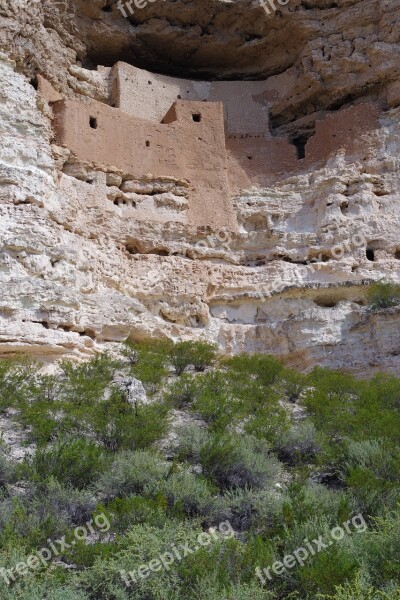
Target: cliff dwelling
point(182, 149)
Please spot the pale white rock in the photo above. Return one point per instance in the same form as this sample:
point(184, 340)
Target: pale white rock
point(133, 390)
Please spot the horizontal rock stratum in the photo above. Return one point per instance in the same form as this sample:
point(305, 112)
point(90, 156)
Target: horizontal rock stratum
point(200, 171)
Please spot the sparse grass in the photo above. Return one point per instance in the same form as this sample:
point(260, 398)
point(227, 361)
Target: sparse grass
point(383, 295)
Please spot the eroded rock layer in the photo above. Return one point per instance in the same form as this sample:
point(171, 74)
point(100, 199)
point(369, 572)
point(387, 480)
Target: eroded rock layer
point(314, 201)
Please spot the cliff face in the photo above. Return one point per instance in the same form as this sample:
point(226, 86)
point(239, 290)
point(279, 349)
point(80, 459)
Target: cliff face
point(78, 272)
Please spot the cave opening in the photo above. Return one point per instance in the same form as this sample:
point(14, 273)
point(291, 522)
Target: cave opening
point(370, 253)
point(300, 144)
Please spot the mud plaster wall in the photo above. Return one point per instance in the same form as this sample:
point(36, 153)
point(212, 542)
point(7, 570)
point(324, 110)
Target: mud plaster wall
point(261, 160)
point(148, 96)
point(184, 148)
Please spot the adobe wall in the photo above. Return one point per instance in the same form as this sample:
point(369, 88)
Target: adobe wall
point(260, 161)
point(184, 148)
point(344, 129)
point(148, 96)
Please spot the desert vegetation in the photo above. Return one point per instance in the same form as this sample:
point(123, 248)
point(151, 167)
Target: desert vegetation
point(280, 455)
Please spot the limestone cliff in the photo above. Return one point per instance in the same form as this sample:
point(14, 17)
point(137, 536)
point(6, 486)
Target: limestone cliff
point(315, 201)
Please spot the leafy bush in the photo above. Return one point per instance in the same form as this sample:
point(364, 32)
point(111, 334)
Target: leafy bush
point(187, 494)
point(293, 384)
point(189, 442)
point(72, 461)
point(342, 407)
point(70, 505)
point(7, 469)
point(49, 589)
point(21, 524)
point(215, 401)
point(258, 510)
point(183, 392)
point(360, 588)
point(208, 589)
point(117, 425)
point(324, 570)
point(85, 383)
point(124, 513)
point(314, 500)
point(269, 423)
point(197, 354)
point(379, 548)
point(383, 295)
point(151, 361)
point(263, 369)
point(239, 463)
point(15, 380)
point(298, 444)
point(142, 544)
point(375, 455)
point(132, 473)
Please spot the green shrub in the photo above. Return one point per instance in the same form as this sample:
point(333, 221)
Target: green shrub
point(117, 425)
point(85, 383)
point(360, 588)
point(187, 494)
point(41, 409)
point(197, 354)
point(262, 368)
point(70, 505)
point(215, 400)
point(208, 589)
point(183, 392)
point(293, 384)
point(326, 570)
point(189, 441)
point(243, 462)
point(314, 500)
point(270, 509)
point(222, 562)
point(379, 548)
point(383, 295)
point(151, 362)
point(132, 473)
point(124, 513)
point(371, 469)
point(7, 469)
point(258, 510)
point(142, 544)
point(342, 408)
point(16, 377)
point(298, 444)
point(269, 423)
point(72, 461)
point(203, 355)
point(22, 524)
point(47, 589)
